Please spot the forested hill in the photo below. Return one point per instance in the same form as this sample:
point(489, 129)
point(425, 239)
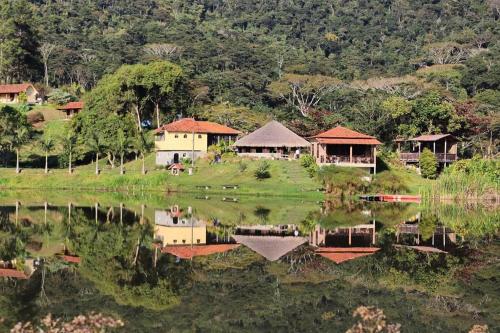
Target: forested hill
point(239, 51)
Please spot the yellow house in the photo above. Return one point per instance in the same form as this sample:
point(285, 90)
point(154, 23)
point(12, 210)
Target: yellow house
point(9, 93)
point(173, 227)
point(189, 138)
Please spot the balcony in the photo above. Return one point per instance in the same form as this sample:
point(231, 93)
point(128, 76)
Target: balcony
point(343, 160)
point(415, 157)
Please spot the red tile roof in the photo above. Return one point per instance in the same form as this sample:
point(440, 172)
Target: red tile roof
point(72, 106)
point(341, 254)
point(342, 135)
point(190, 125)
point(13, 273)
point(176, 166)
point(71, 259)
point(14, 88)
point(188, 251)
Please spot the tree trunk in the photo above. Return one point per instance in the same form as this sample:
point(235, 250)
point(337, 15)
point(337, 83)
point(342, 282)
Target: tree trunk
point(46, 162)
point(157, 107)
point(143, 164)
point(69, 167)
point(137, 113)
point(17, 161)
point(121, 164)
point(46, 71)
point(97, 163)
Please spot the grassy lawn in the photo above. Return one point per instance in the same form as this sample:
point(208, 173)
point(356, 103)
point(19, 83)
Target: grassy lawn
point(288, 178)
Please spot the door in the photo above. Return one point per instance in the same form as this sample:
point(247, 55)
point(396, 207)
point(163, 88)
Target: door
point(176, 158)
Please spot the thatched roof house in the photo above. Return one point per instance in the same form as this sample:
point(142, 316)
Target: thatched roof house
point(270, 247)
point(271, 140)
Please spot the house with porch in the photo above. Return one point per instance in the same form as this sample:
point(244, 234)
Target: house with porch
point(444, 146)
point(9, 93)
point(189, 138)
point(71, 108)
point(344, 147)
point(272, 140)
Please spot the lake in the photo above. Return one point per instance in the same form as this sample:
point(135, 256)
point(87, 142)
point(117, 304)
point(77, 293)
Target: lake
point(198, 263)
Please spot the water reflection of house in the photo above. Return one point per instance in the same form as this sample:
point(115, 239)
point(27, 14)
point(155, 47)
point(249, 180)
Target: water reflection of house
point(9, 269)
point(344, 243)
point(176, 227)
point(409, 234)
point(267, 230)
point(270, 247)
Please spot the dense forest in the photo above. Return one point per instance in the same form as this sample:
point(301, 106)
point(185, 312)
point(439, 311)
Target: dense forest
point(390, 68)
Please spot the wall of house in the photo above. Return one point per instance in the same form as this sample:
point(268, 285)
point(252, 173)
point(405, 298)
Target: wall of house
point(181, 141)
point(181, 235)
point(8, 98)
point(167, 157)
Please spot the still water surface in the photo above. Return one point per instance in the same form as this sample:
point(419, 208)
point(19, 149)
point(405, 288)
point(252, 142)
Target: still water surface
point(198, 263)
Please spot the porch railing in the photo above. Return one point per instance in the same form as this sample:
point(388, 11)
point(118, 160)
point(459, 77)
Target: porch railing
point(334, 159)
point(414, 157)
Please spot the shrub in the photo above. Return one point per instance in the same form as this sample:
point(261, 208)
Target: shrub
point(242, 166)
point(388, 182)
point(307, 160)
point(262, 171)
point(340, 180)
point(35, 117)
point(428, 164)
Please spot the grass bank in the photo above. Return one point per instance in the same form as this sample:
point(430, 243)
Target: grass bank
point(287, 178)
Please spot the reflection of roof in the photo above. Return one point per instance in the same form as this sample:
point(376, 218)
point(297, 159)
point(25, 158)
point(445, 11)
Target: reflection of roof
point(431, 137)
point(14, 88)
point(427, 249)
point(272, 134)
point(72, 106)
point(190, 125)
point(270, 247)
point(188, 251)
point(178, 166)
point(341, 254)
point(342, 135)
point(13, 273)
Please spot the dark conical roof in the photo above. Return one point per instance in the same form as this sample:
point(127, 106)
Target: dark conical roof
point(272, 134)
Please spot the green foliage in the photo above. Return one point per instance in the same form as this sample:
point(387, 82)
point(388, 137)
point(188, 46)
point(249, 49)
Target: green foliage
point(428, 164)
point(242, 166)
point(342, 181)
point(14, 129)
point(61, 97)
point(262, 171)
point(241, 117)
point(309, 163)
point(388, 182)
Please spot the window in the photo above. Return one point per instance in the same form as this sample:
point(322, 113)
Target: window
point(185, 136)
point(183, 241)
point(198, 241)
point(175, 241)
point(258, 150)
point(183, 154)
point(199, 136)
point(160, 137)
point(176, 136)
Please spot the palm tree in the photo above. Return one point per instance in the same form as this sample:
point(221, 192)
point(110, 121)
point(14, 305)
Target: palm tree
point(21, 135)
point(69, 147)
point(47, 145)
point(143, 144)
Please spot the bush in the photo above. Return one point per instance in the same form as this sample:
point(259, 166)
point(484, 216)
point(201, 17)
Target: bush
point(242, 166)
point(309, 163)
point(388, 182)
point(35, 117)
point(428, 164)
point(342, 181)
point(262, 171)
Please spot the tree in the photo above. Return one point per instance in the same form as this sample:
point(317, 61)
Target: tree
point(14, 131)
point(46, 50)
point(304, 92)
point(123, 145)
point(18, 41)
point(69, 142)
point(47, 144)
point(95, 143)
point(143, 143)
point(428, 164)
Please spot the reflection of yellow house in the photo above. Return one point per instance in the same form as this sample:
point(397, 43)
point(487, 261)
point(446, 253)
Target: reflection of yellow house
point(172, 227)
point(189, 138)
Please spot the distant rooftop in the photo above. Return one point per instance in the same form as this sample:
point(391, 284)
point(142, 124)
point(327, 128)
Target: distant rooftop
point(188, 125)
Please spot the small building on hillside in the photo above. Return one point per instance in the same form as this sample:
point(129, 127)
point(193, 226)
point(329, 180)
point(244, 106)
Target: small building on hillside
point(9, 93)
point(178, 227)
point(72, 108)
point(273, 140)
point(189, 138)
point(344, 147)
point(444, 146)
